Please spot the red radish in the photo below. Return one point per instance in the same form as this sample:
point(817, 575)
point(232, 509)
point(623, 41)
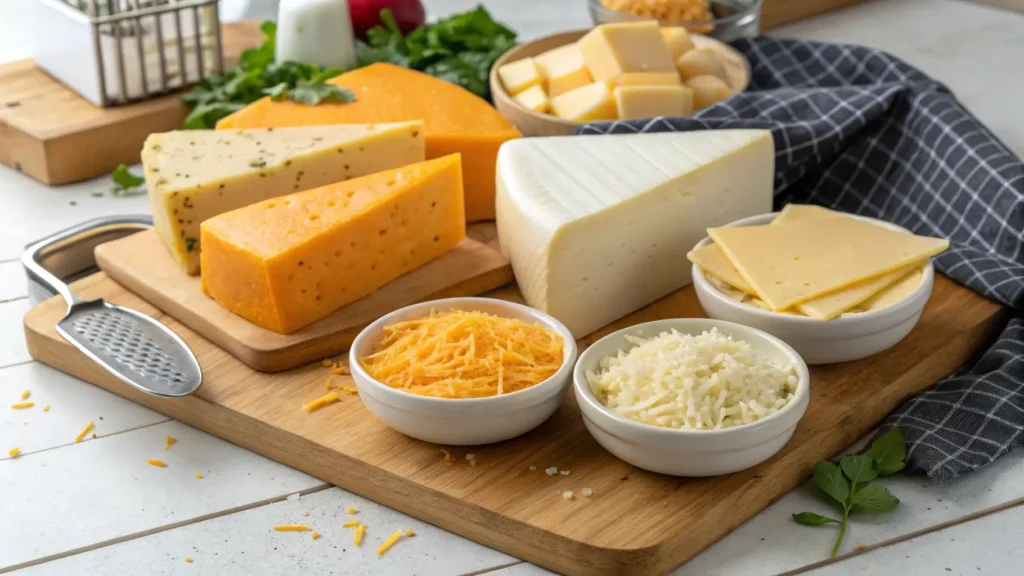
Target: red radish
point(408, 14)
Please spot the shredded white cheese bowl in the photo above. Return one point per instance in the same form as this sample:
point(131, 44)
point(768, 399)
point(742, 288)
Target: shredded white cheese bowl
point(706, 381)
point(691, 396)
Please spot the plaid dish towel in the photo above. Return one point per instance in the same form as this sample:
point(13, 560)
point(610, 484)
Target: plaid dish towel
point(860, 131)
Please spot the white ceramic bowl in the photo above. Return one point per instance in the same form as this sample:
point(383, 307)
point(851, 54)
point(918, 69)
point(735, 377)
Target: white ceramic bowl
point(842, 339)
point(462, 421)
point(690, 452)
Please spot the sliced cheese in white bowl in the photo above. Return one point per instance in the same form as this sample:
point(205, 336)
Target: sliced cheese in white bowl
point(597, 227)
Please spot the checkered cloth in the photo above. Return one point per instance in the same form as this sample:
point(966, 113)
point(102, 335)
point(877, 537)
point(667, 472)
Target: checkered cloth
point(860, 131)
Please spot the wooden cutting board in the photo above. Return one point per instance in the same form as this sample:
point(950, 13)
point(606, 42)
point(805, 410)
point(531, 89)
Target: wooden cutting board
point(141, 263)
point(635, 523)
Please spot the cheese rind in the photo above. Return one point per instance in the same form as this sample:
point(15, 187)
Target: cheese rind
point(456, 121)
point(622, 47)
point(287, 262)
point(785, 268)
point(590, 103)
point(596, 226)
point(648, 101)
point(563, 69)
point(194, 175)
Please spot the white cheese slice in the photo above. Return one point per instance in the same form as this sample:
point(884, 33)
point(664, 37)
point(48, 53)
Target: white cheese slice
point(194, 175)
point(597, 227)
point(801, 260)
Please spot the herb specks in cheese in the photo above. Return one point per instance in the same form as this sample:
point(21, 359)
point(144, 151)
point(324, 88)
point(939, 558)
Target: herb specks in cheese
point(190, 244)
point(260, 163)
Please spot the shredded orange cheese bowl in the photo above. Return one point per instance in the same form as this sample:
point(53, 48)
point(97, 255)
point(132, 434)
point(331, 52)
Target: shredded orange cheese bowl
point(464, 354)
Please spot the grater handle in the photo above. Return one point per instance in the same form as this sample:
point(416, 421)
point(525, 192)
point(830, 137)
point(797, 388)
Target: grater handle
point(61, 252)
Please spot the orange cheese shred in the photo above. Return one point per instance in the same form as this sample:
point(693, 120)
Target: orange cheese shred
point(350, 524)
point(14, 452)
point(22, 405)
point(81, 435)
point(26, 394)
point(389, 543)
point(321, 402)
point(157, 463)
point(291, 528)
point(357, 536)
point(464, 354)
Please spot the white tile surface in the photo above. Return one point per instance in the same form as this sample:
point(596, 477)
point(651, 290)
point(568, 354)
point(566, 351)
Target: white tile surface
point(73, 404)
point(988, 545)
point(12, 336)
point(246, 543)
point(92, 492)
point(13, 284)
point(771, 542)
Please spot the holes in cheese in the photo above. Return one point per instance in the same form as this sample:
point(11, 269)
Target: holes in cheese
point(798, 261)
point(273, 265)
point(461, 354)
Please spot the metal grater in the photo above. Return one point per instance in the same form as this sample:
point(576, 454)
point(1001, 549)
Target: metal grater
point(134, 347)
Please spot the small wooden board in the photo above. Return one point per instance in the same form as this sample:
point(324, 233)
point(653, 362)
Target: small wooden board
point(635, 523)
point(141, 263)
point(56, 136)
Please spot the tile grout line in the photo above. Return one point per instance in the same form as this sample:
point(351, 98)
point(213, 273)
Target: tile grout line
point(22, 363)
point(164, 528)
point(84, 440)
point(493, 568)
point(15, 299)
point(908, 536)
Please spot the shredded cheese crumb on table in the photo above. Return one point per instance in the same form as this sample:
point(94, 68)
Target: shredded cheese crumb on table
point(551, 471)
point(291, 528)
point(14, 452)
point(461, 354)
point(320, 402)
point(447, 457)
point(706, 381)
point(315, 534)
point(348, 389)
point(339, 370)
point(352, 510)
point(350, 524)
point(471, 458)
point(389, 543)
point(327, 362)
point(533, 467)
point(171, 441)
point(410, 533)
point(26, 394)
point(563, 472)
point(93, 434)
point(22, 405)
point(588, 492)
point(81, 435)
point(327, 384)
point(357, 536)
point(157, 463)
point(567, 494)
point(46, 408)
point(188, 559)
point(198, 476)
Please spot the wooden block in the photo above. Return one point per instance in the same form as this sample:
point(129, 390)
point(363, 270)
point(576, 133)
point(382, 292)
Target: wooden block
point(635, 523)
point(142, 264)
point(56, 136)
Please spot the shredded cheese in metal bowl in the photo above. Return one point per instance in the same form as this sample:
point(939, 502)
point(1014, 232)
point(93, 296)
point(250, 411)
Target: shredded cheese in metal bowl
point(693, 382)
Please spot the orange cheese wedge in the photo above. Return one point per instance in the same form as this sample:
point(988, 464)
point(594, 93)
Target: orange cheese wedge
point(287, 262)
point(456, 121)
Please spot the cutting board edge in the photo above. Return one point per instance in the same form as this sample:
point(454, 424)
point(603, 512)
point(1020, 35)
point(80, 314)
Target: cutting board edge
point(534, 544)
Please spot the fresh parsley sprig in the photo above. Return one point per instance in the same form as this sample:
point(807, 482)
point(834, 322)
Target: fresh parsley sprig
point(848, 485)
point(257, 75)
point(126, 183)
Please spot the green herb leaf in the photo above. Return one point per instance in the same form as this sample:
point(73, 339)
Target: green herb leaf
point(313, 94)
point(888, 452)
point(277, 92)
point(859, 469)
point(875, 498)
point(126, 183)
point(812, 519)
point(829, 478)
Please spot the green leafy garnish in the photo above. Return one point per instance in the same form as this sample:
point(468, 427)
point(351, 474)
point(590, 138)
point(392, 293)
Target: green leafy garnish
point(126, 183)
point(460, 49)
point(258, 75)
point(848, 484)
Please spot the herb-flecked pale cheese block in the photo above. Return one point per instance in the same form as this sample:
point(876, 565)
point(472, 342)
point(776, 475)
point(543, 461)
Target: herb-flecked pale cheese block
point(194, 175)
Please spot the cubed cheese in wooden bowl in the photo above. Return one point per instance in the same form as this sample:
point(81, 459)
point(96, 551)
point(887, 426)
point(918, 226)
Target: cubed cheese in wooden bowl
point(549, 87)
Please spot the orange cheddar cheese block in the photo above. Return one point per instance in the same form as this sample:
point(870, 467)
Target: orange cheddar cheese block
point(456, 120)
point(287, 262)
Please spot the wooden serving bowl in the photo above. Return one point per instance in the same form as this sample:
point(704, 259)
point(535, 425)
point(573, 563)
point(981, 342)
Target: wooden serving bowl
point(532, 123)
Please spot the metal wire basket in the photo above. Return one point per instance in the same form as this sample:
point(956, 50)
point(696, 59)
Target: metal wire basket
point(118, 51)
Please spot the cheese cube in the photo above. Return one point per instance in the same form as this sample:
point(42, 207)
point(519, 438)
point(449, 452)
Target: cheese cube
point(703, 62)
point(613, 49)
point(563, 69)
point(534, 99)
point(193, 175)
point(708, 90)
point(597, 227)
point(678, 41)
point(590, 103)
point(649, 101)
point(647, 79)
point(520, 75)
point(287, 262)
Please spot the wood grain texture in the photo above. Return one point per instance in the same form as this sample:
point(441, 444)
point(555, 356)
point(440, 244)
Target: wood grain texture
point(532, 123)
point(56, 136)
point(141, 263)
point(776, 13)
point(645, 524)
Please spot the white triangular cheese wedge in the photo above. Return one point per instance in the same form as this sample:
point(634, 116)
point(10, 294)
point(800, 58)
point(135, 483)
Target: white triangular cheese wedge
point(597, 227)
point(194, 175)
